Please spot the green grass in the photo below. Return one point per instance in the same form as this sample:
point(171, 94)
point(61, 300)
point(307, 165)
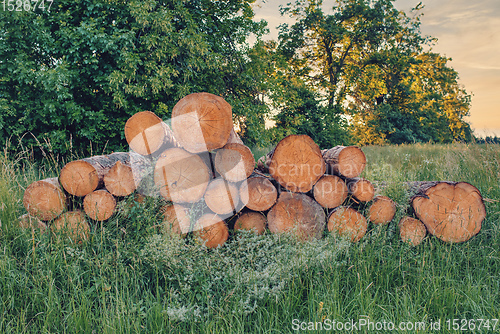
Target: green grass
point(129, 278)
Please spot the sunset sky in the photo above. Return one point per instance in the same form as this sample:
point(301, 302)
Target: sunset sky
point(468, 32)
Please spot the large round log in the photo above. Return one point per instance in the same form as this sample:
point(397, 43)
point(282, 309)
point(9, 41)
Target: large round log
point(347, 222)
point(296, 163)
point(99, 205)
point(330, 191)
point(81, 177)
point(234, 162)
point(73, 224)
point(202, 122)
point(181, 176)
point(412, 230)
point(211, 230)
point(298, 214)
point(347, 161)
point(146, 133)
point(252, 221)
point(45, 199)
point(361, 189)
point(382, 210)
point(258, 193)
point(452, 211)
point(222, 197)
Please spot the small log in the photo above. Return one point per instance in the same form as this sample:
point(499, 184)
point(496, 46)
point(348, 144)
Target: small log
point(81, 177)
point(222, 197)
point(346, 161)
point(146, 133)
point(125, 176)
point(382, 210)
point(202, 122)
point(296, 163)
point(234, 162)
point(330, 191)
point(361, 189)
point(252, 221)
point(298, 214)
point(45, 199)
point(73, 224)
point(211, 230)
point(452, 211)
point(258, 193)
point(181, 176)
point(99, 205)
point(176, 219)
point(412, 230)
point(347, 222)
point(29, 222)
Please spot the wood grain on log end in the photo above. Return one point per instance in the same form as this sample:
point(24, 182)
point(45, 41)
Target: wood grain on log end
point(73, 224)
point(258, 193)
point(382, 210)
point(45, 199)
point(251, 220)
point(330, 191)
point(347, 222)
point(145, 132)
point(211, 230)
point(412, 230)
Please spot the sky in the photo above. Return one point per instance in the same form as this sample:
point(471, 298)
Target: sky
point(468, 32)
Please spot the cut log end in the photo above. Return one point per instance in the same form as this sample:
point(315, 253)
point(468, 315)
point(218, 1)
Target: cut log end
point(452, 211)
point(412, 230)
point(361, 189)
point(234, 162)
point(252, 221)
point(382, 210)
point(347, 222)
point(145, 132)
point(73, 224)
point(297, 163)
point(202, 122)
point(119, 180)
point(99, 205)
point(258, 193)
point(222, 197)
point(176, 219)
point(330, 191)
point(347, 161)
point(298, 214)
point(44, 199)
point(211, 230)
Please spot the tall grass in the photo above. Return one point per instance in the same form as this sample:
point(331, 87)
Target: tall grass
point(130, 278)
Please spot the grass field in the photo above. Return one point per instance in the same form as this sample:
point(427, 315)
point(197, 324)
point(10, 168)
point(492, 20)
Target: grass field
point(130, 278)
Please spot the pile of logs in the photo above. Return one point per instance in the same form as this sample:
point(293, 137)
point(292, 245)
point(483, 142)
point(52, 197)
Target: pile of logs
point(200, 161)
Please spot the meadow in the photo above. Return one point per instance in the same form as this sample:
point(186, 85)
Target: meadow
point(132, 278)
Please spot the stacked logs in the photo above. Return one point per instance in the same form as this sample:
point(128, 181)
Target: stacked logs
point(200, 162)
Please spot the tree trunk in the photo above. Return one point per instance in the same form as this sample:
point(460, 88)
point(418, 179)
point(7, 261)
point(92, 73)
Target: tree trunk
point(125, 176)
point(258, 193)
point(146, 133)
point(180, 176)
point(412, 230)
point(347, 222)
point(211, 230)
point(296, 163)
point(222, 198)
point(30, 222)
point(251, 220)
point(346, 161)
point(382, 210)
point(176, 219)
point(330, 191)
point(298, 214)
point(360, 189)
point(234, 162)
point(452, 211)
point(99, 205)
point(81, 177)
point(73, 224)
point(202, 122)
point(45, 199)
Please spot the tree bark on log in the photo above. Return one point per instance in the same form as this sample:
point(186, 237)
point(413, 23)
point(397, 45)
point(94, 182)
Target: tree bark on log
point(81, 177)
point(361, 189)
point(180, 176)
point(202, 122)
point(382, 210)
point(296, 163)
point(234, 162)
point(412, 230)
point(347, 222)
point(211, 230)
point(252, 221)
point(146, 133)
point(45, 199)
point(452, 211)
point(330, 191)
point(73, 224)
point(346, 161)
point(298, 214)
point(258, 193)
point(99, 205)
